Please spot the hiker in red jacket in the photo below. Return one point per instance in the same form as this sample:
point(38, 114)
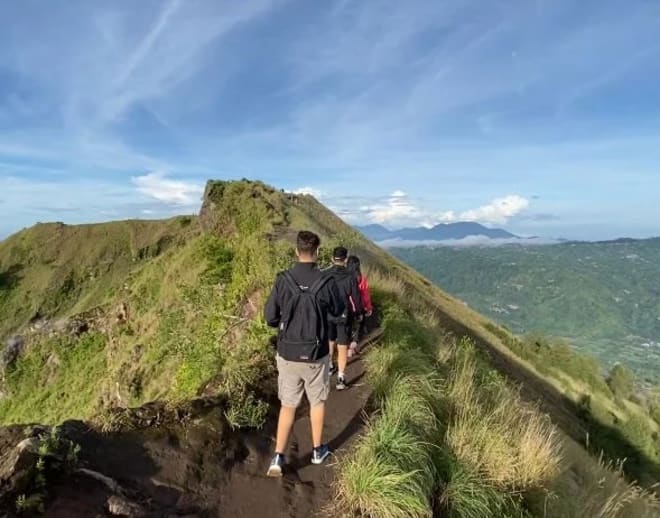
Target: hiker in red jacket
point(353, 265)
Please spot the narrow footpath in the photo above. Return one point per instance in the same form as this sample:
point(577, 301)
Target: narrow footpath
point(305, 490)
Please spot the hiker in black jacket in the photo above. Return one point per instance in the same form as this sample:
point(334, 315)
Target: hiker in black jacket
point(342, 329)
point(302, 302)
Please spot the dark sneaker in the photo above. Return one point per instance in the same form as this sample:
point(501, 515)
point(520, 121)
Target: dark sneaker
point(333, 369)
point(276, 466)
point(341, 383)
point(320, 454)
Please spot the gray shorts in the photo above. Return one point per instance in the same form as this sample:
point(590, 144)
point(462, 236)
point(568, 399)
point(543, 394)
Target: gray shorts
point(294, 378)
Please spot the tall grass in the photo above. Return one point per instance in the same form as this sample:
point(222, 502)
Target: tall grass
point(491, 431)
point(450, 449)
point(391, 473)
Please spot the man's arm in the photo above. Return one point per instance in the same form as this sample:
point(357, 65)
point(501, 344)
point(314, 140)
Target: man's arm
point(272, 309)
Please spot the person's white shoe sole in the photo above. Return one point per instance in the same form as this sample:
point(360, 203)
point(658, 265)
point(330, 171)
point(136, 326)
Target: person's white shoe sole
point(321, 459)
point(274, 472)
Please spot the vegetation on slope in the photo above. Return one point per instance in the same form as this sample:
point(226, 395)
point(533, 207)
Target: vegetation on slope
point(601, 297)
point(61, 270)
point(615, 414)
point(451, 437)
point(192, 322)
point(157, 310)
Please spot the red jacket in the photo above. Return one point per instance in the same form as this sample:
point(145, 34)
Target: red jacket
point(363, 284)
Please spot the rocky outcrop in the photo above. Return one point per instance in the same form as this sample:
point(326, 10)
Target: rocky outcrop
point(154, 460)
point(12, 350)
point(19, 447)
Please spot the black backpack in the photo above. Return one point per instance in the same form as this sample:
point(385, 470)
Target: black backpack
point(303, 324)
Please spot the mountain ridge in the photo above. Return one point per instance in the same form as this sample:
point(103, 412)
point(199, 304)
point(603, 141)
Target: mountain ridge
point(440, 232)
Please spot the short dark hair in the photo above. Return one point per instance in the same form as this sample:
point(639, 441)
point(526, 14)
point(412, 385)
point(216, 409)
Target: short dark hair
point(307, 242)
point(340, 253)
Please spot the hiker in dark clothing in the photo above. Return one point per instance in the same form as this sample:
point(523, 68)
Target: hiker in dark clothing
point(360, 327)
point(342, 329)
point(302, 302)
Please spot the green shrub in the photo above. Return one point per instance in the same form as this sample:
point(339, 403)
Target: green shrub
point(621, 381)
point(468, 495)
point(369, 486)
point(218, 256)
point(640, 434)
point(654, 404)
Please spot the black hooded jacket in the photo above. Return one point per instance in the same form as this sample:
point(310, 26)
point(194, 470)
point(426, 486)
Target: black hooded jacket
point(348, 288)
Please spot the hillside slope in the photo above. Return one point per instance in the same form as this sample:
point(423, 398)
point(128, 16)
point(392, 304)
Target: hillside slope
point(602, 297)
point(60, 270)
point(182, 324)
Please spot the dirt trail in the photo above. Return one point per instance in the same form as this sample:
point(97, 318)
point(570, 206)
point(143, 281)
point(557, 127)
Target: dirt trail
point(305, 490)
point(189, 462)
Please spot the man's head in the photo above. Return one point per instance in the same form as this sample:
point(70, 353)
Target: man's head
point(307, 246)
point(339, 255)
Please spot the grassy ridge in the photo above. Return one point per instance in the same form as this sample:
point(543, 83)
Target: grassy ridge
point(194, 320)
point(193, 290)
point(60, 270)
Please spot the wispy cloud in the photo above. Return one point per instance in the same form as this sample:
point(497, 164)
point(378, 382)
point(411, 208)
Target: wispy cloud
point(497, 211)
point(175, 192)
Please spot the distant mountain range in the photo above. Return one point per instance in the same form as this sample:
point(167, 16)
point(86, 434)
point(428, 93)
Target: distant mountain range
point(441, 232)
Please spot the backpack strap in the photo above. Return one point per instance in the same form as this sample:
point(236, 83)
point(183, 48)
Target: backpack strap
point(291, 282)
point(318, 284)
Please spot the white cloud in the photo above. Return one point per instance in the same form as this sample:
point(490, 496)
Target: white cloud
point(397, 208)
point(174, 192)
point(447, 217)
point(312, 191)
point(498, 211)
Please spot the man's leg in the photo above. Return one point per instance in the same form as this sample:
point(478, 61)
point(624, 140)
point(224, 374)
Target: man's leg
point(290, 390)
point(343, 341)
point(333, 346)
point(332, 333)
point(317, 386)
point(317, 418)
point(342, 358)
point(284, 425)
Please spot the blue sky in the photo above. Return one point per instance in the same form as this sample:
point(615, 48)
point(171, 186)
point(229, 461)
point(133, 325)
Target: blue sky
point(539, 116)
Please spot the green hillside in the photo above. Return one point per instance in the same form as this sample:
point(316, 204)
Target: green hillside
point(98, 318)
point(604, 298)
point(60, 270)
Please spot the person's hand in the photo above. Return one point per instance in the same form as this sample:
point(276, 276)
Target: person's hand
point(369, 313)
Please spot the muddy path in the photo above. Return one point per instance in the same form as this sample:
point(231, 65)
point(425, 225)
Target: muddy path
point(188, 462)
